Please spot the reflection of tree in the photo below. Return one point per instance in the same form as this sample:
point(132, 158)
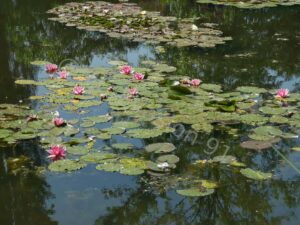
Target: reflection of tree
point(239, 202)
point(273, 44)
point(236, 201)
point(23, 193)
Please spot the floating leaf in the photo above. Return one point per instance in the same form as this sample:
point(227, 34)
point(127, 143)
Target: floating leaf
point(255, 175)
point(265, 133)
point(77, 150)
point(171, 159)
point(160, 148)
point(109, 167)
point(237, 164)
point(66, 165)
point(195, 192)
point(224, 159)
point(26, 82)
point(122, 146)
point(259, 145)
point(98, 157)
point(249, 89)
point(272, 110)
point(5, 133)
point(126, 124)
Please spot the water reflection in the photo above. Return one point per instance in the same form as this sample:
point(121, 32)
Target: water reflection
point(24, 192)
point(236, 201)
point(265, 51)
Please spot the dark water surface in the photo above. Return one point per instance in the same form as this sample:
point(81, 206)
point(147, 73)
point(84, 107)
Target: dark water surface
point(269, 41)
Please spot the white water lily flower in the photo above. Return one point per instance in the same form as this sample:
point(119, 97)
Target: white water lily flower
point(176, 83)
point(163, 165)
point(194, 27)
point(55, 114)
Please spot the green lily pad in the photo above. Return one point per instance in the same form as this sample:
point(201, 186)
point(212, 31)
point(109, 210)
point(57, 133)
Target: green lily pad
point(109, 167)
point(208, 184)
point(171, 159)
point(237, 164)
point(224, 159)
point(26, 82)
point(250, 89)
point(272, 110)
point(122, 146)
point(98, 157)
point(5, 133)
point(78, 150)
point(212, 87)
point(99, 119)
point(253, 119)
point(160, 148)
point(87, 124)
point(126, 124)
point(131, 171)
point(259, 145)
point(66, 165)
point(255, 175)
point(114, 130)
point(265, 133)
point(70, 131)
point(195, 192)
point(144, 133)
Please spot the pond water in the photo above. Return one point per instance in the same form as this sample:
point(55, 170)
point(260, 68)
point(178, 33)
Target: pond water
point(265, 52)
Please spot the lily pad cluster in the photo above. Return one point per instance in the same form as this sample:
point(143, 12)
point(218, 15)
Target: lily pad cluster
point(129, 21)
point(249, 4)
point(162, 100)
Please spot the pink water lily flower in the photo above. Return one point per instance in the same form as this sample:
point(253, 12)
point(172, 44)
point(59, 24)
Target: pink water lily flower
point(63, 74)
point(56, 152)
point(282, 93)
point(126, 70)
point(59, 122)
point(195, 82)
point(78, 90)
point(138, 76)
point(133, 91)
point(51, 68)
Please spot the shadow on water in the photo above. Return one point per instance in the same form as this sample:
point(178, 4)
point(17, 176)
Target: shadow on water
point(265, 51)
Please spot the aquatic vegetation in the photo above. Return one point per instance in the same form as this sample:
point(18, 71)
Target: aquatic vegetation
point(138, 76)
point(56, 152)
point(51, 68)
point(130, 21)
point(63, 74)
point(195, 82)
point(66, 165)
point(78, 90)
point(255, 175)
point(250, 115)
point(133, 92)
point(126, 70)
point(58, 122)
point(251, 4)
point(282, 93)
